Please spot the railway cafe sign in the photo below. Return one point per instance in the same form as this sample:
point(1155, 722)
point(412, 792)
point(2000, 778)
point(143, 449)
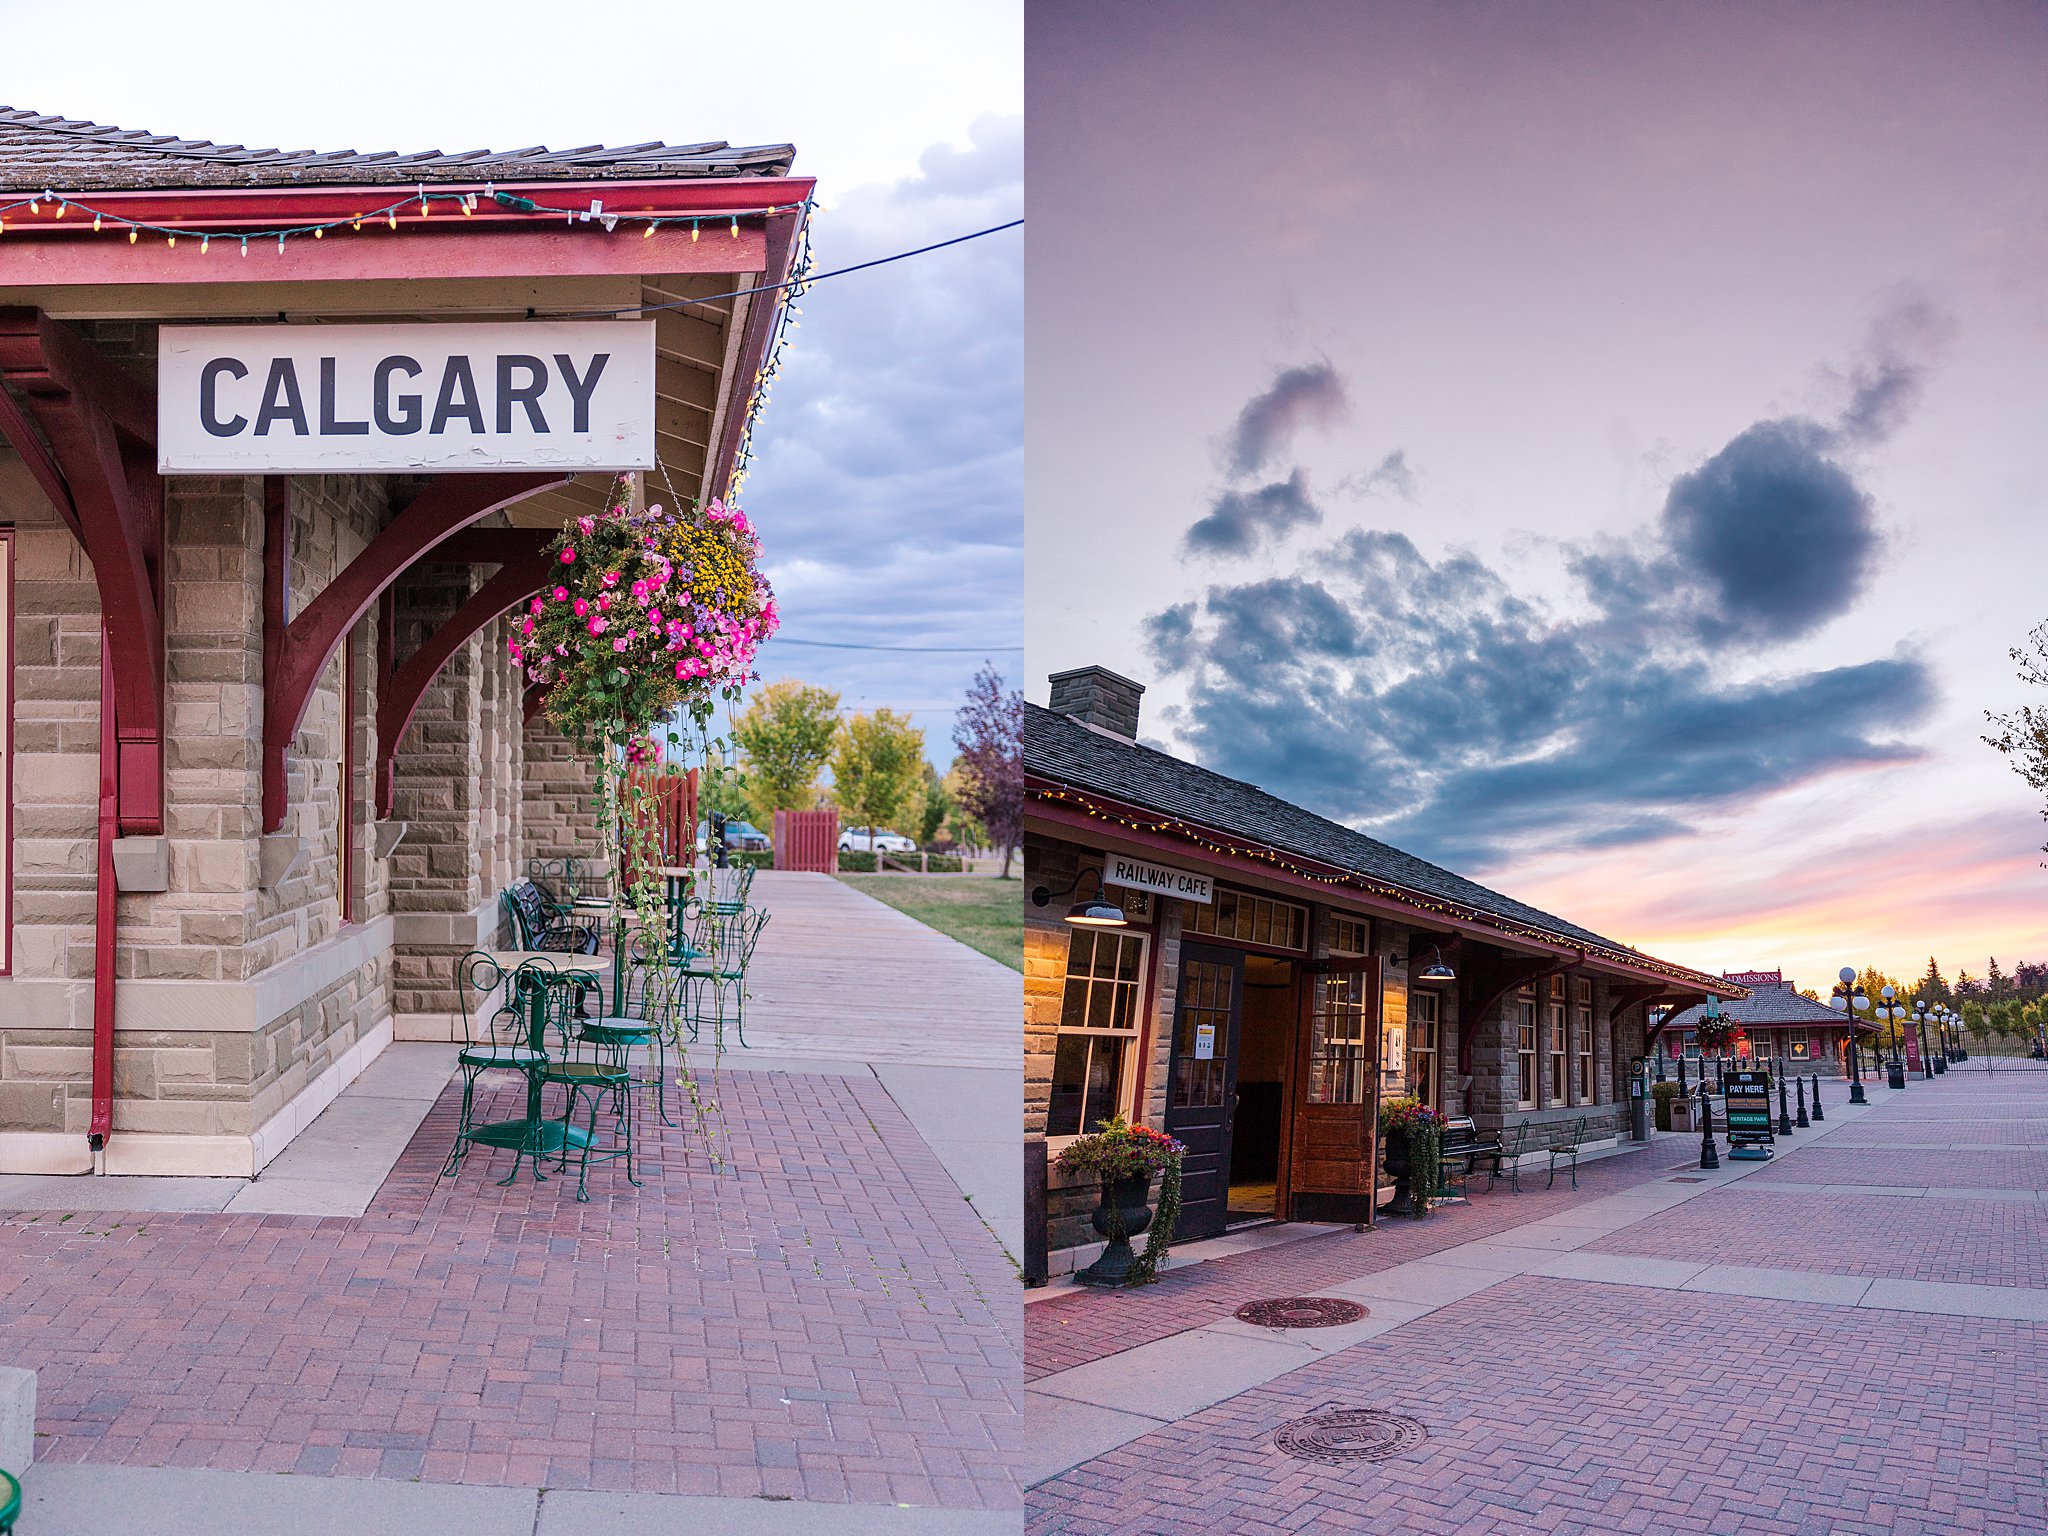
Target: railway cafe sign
point(1136, 874)
point(313, 399)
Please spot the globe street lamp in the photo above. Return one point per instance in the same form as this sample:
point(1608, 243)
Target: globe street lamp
point(1920, 1034)
point(1939, 1014)
point(1893, 1012)
point(1850, 999)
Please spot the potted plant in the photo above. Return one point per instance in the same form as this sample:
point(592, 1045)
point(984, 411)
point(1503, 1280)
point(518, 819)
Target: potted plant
point(1124, 1157)
point(1411, 1132)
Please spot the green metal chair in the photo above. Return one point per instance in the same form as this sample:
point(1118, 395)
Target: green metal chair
point(511, 1025)
point(594, 1060)
point(718, 973)
point(642, 1020)
point(1568, 1151)
point(493, 1039)
point(10, 1501)
point(1506, 1160)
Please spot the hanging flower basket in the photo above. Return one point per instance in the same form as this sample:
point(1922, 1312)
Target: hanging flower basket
point(650, 614)
point(1718, 1036)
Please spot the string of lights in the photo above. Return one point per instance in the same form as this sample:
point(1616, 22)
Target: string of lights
point(50, 207)
point(1418, 900)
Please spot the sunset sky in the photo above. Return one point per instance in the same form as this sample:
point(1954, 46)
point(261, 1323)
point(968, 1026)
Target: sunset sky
point(1597, 446)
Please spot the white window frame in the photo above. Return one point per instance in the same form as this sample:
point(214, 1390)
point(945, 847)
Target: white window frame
point(1127, 1077)
point(1528, 1050)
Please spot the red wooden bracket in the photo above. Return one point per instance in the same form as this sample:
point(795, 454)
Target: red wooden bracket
point(1625, 998)
point(449, 504)
point(100, 427)
point(1481, 987)
point(1674, 1003)
point(403, 689)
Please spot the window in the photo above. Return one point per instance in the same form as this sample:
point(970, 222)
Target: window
point(1338, 1023)
point(1098, 1029)
point(1525, 1047)
point(1423, 1018)
point(1554, 1018)
point(1199, 1066)
point(1582, 1025)
point(1251, 920)
point(1799, 1045)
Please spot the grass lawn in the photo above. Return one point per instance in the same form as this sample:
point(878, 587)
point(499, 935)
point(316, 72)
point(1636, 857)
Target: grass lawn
point(982, 913)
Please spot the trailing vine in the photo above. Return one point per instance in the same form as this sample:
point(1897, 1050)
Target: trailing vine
point(1159, 1240)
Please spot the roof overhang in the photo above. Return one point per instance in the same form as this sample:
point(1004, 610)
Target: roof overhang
point(1088, 816)
point(497, 263)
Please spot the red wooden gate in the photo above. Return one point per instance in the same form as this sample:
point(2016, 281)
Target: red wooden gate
point(807, 840)
point(675, 801)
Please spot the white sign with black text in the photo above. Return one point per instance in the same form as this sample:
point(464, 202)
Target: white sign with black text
point(532, 394)
point(1184, 884)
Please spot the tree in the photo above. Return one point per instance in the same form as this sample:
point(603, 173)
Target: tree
point(875, 767)
point(784, 738)
point(959, 823)
point(2022, 734)
point(1994, 979)
point(932, 807)
point(1931, 986)
point(989, 731)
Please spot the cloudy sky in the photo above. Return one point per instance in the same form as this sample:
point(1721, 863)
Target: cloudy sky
point(888, 472)
point(1596, 446)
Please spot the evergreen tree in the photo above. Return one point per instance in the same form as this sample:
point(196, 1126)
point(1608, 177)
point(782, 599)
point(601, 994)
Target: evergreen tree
point(1995, 980)
point(1932, 986)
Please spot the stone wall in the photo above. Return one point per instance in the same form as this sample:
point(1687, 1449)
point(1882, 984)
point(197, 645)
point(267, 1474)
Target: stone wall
point(559, 821)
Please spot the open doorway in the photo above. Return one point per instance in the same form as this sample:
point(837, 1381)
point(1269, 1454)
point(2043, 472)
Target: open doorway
point(1265, 1047)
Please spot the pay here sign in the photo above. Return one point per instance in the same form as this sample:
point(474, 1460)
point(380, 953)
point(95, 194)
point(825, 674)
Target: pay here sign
point(536, 394)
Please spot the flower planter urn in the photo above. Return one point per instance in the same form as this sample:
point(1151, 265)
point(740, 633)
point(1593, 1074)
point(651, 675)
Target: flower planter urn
point(1121, 1214)
point(1400, 1167)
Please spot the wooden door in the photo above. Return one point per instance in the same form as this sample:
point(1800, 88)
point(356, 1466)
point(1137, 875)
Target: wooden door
point(1333, 1170)
point(1202, 1090)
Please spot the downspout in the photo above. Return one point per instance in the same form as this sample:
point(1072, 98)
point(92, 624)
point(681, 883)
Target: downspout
point(103, 920)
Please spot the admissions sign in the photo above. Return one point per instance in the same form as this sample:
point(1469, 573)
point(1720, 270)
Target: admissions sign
point(309, 399)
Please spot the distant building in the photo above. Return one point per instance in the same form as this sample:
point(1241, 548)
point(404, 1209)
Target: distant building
point(1781, 1024)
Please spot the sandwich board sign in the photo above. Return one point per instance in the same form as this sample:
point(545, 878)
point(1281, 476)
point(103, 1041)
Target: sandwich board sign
point(1748, 1096)
point(312, 399)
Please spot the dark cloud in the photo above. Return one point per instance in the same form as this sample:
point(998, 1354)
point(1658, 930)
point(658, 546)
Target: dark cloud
point(1779, 535)
point(1905, 344)
point(1313, 395)
point(1238, 521)
point(888, 478)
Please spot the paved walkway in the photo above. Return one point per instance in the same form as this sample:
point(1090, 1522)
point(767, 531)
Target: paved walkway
point(822, 1334)
point(1823, 1343)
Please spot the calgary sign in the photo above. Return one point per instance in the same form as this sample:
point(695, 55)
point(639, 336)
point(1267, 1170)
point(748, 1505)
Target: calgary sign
point(536, 394)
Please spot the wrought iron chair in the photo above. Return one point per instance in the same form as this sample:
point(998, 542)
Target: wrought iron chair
point(535, 926)
point(725, 946)
point(1567, 1151)
point(593, 1060)
point(497, 1036)
point(642, 1020)
point(1506, 1158)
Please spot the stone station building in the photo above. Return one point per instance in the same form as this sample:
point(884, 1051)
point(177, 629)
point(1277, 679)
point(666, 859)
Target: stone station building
point(1780, 1024)
point(269, 767)
point(1271, 981)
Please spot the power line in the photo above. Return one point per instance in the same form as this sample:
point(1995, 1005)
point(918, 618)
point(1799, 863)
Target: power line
point(795, 282)
point(928, 650)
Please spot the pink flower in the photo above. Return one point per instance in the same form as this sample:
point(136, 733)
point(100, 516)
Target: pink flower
point(654, 617)
point(598, 625)
point(536, 606)
point(581, 607)
point(516, 654)
point(680, 669)
point(568, 555)
point(611, 578)
point(526, 628)
point(561, 649)
point(586, 524)
point(619, 644)
point(561, 594)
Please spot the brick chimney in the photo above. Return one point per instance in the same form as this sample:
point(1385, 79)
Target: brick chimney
point(1098, 697)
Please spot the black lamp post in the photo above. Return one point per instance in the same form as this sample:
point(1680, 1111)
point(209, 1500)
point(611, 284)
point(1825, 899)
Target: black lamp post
point(1850, 999)
point(1893, 1012)
point(1920, 1034)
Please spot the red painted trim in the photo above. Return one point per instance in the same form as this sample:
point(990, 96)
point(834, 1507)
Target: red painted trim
point(404, 689)
point(499, 243)
point(345, 811)
point(448, 504)
point(100, 427)
point(104, 906)
point(28, 445)
point(7, 745)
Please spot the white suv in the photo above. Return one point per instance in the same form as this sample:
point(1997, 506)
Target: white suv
point(881, 839)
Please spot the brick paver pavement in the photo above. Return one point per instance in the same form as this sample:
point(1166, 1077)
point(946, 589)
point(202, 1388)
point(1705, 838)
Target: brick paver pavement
point(1591, 1410)
point(826, 1320)
point(1073, 1329)
point(1587, 1408)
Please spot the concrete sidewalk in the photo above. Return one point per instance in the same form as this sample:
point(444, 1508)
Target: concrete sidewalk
point(181, 1501)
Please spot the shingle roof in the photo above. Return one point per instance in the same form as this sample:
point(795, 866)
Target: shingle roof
point(1768, 1004)
point(71, 155)
point(1061, 749)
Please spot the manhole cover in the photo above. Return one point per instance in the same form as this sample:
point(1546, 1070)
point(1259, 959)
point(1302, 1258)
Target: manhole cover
point(1336, 1436)
point(1300, 1312)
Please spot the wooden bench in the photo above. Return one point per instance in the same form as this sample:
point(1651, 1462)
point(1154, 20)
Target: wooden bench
point(1459, 1146)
